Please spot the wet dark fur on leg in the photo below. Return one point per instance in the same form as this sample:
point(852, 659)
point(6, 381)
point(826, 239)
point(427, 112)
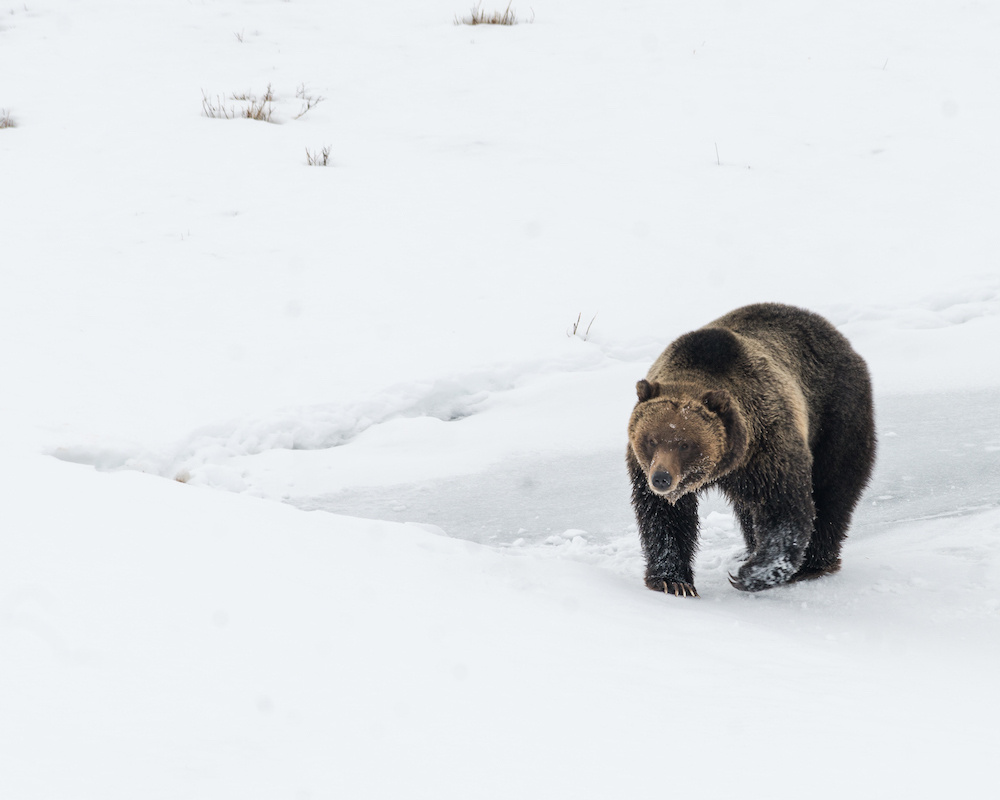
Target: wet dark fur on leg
point(668, 534)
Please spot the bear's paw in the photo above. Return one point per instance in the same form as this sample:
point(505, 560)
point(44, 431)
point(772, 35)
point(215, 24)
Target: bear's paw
point(754, 576)
point(678, 589)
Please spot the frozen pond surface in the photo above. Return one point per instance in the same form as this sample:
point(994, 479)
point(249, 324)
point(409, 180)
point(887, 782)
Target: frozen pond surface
point(939, 455)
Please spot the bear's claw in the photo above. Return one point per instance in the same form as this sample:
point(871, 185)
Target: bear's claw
point(679, 589)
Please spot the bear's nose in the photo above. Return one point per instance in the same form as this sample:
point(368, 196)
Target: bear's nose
point(662, 480)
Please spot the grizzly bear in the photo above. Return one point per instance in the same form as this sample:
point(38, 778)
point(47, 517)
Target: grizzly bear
point(772, 405)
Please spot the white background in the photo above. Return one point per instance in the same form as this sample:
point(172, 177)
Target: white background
point(384, 343)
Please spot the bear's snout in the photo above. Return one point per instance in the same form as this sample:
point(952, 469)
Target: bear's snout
point(662, 480)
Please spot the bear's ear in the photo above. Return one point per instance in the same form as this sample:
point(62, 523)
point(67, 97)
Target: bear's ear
point(716, 401)
point(647, 390)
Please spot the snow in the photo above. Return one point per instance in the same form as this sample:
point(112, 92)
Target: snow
point(309, 490)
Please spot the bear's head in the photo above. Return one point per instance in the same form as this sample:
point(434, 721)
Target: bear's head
point(683, 437)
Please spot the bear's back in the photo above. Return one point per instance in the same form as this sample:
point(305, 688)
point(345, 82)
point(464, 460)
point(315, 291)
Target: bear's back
point(759, 344)
point(769, 321)
point(803, 342)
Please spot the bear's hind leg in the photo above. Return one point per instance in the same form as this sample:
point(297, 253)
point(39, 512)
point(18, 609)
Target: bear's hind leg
point(834, 508)
point(782, 525)
point(745, 519)
point(833, 517)
point(842, 465)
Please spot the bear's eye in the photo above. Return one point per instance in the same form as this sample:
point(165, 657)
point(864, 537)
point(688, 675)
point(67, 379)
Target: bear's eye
point(651, 442)
point(684, 445)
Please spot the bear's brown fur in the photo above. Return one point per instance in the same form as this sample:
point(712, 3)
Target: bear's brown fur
point(771, 404)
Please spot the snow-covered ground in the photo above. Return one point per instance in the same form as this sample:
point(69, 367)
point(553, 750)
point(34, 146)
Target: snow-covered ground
point(234, 338)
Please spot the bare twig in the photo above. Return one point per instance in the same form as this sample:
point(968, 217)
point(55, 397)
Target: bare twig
point(310, 100)
point(574, 329)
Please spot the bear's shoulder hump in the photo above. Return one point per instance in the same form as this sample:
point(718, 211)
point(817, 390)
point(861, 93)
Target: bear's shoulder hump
point(715, 350)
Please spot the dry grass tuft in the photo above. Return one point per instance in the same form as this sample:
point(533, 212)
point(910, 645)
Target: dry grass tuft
point(479, 17)
point(259, 109)
point(320, 159)
point(6, 120)
point(217, 109)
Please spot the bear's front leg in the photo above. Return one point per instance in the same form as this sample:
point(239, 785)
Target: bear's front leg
point(782, 527)
point(668, 534)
